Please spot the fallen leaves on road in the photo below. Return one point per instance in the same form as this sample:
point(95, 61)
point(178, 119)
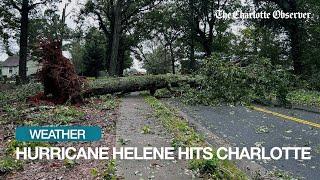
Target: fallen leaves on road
point(262, 129)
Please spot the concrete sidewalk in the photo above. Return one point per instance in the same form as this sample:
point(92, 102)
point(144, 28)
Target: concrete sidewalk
point(135, 115)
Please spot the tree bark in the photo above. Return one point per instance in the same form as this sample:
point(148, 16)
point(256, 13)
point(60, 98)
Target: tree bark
point(295, 42)
point(115, 39)
point(24, 20)
point(107, 55)
point(172, 59)
point(295, 35)
point(207, 45)
point(192, 32)
point(139, 83)
point(121, 59)
point(192, 63)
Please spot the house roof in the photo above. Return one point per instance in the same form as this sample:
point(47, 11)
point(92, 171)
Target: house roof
point(12, 61)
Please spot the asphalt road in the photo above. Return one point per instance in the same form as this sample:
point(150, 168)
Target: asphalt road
point(245, 127)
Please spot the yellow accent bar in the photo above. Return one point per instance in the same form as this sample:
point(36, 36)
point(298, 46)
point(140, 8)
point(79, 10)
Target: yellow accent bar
point(301, 121)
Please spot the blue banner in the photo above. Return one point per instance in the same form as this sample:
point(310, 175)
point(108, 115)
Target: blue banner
point(58, 133)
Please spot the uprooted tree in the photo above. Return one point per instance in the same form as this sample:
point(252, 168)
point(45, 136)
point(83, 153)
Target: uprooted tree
point(58, 74)
point(219, 79)
point(61, 82)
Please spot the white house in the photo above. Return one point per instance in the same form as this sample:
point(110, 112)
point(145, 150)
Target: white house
point(10, 67)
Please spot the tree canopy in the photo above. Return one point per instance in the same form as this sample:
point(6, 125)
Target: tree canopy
point(184, 33)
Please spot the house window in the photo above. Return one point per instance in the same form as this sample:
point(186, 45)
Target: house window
point(10, 70)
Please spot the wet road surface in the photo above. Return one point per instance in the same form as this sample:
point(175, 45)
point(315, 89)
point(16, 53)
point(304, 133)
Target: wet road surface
point(245, 127)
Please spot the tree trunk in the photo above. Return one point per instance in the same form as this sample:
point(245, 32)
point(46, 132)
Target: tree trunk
point(192, 62)
point(107, 55)
point(295, 33)
point(172, 59)
point(24, 20)
point(295, 41)
point(139, 83)
point(207, 45)
point(121, 59)
point(63, 25)
point(192, 32)
point(115, 39)
point(109, 38)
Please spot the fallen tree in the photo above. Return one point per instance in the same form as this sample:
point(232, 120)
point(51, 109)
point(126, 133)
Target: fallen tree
point(58, 76)
point(137, 83)
point(62, 84)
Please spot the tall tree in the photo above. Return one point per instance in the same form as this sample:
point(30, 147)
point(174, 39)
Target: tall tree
point(118, 19)
point(202, 22)
point(192, 35)
point(311, 54)
point(294, 28)
point(93, 55)
point(16, 16)
point(157, 61)
point(167, 25)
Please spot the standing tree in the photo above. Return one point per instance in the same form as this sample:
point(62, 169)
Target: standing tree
point(311, 44)
point(16, 16)
point(118, 19)
point(202, 26)
point(157, 60)
point(94, 52)
point(190, 14)
point(167, 29)
point(294, 28)
point(77, 52)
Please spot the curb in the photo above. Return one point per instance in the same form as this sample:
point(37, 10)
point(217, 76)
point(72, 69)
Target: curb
point(315, 110)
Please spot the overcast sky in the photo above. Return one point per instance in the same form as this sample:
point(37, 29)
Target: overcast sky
point(72, 10)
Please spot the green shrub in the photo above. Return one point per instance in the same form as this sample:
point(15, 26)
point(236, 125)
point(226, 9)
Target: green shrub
point(110, 172)
point(8, 164)
point(163, 93)
point(205, 166)
point(314, 81)
point(304, 97)
point(20, 93)
point(13, 144)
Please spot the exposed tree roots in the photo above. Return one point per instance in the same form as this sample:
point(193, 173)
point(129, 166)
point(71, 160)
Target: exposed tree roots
point(58, 76)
